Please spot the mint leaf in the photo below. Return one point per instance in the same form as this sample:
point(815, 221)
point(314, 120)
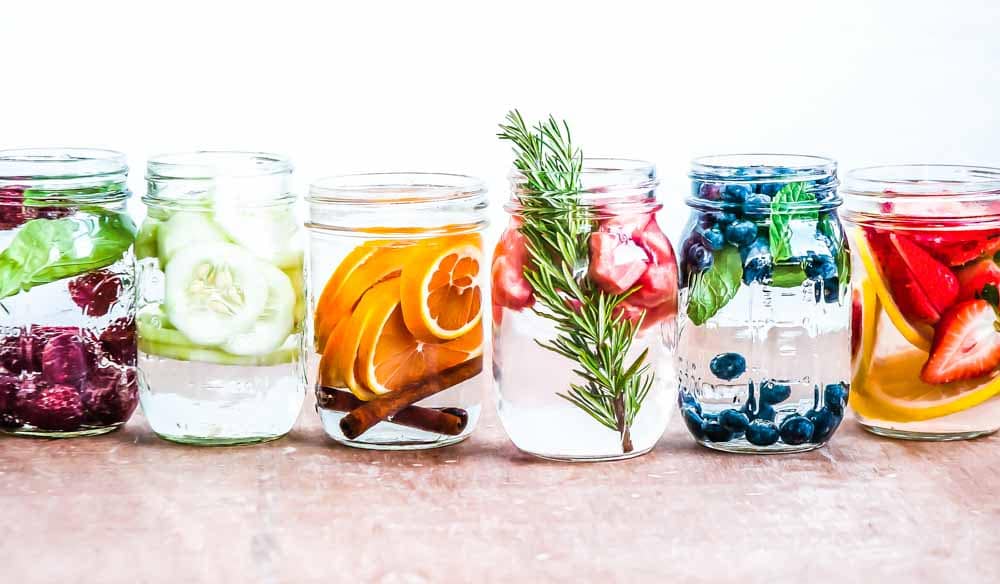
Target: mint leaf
point(784, 210)
point(47, 250)
point(716, 286)
point(788, 276)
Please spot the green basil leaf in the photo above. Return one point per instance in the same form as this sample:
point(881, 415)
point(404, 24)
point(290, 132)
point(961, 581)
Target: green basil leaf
point(788, 276)
point(716, 286)
point(47, 250)
point(784, 210)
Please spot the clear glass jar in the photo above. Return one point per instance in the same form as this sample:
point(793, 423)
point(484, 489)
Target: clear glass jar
point(926, 348)
point(763, 346)
point(221, 298)
point(396, 295)
point(616, 315)
point(67, 293)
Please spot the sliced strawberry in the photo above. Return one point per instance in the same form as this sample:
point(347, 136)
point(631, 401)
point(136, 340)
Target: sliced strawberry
point(935, 279)
point(959, 247)
point(974, 277)
point(856, 322)
point(510, 288)
point(907, 294)
point(966, 344)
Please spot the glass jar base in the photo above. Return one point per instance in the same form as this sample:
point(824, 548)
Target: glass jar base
point(220, 441)
point(450, 440)
point(585, 458)
point(926, 436)
point(389, 436)
point(81, 433)
point(736, 447)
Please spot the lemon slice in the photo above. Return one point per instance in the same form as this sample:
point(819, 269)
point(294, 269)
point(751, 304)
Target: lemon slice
point(916, 338)
point(870, 309)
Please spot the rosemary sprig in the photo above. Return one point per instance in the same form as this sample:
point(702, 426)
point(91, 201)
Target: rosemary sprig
point(557, 230)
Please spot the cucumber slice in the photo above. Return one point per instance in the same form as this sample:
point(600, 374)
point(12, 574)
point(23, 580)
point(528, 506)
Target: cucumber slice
point(154, 327)
point(216, 290)
point(270, 233)
point(184, 229)
point(286, 354)
point(146, 241)
point(297, 279)
point(274, 324)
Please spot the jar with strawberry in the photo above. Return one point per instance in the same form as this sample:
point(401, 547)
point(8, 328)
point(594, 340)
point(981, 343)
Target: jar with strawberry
point(763, 339)
point(584, 302)
point(396, 303)
point(926, 346)
point(67, 293)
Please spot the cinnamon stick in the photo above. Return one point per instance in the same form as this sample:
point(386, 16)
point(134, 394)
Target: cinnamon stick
point(447, 421)
point(362, 418)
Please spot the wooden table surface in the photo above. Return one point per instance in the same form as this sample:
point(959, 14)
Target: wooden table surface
point(128, 507)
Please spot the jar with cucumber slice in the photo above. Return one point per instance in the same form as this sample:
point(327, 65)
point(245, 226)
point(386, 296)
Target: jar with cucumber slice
point(222, 299)
point(397, 271)
point(67, 293)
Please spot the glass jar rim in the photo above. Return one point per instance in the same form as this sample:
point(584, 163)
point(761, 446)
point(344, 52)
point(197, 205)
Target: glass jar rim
point(60, 163)
point(214, 164)
point(382, 188)
point(772, 167)
point(947, 181)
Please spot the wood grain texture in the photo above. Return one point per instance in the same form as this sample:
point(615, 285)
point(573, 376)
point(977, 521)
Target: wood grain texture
point(128, 507)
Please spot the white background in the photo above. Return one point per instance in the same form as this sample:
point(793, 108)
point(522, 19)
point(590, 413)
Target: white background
point(421, 85)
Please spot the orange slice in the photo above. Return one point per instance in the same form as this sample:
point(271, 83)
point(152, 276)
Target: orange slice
point(367, 268)
point(894, 392)
point(870, 308)
point(391, 357)
point(917, 337)
point(342, 351)
point(439, 287)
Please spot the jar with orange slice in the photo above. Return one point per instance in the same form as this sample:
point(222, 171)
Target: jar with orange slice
point(396, 303)
point(926, 350)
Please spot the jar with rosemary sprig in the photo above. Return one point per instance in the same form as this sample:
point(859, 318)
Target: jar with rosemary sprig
point(584, 294)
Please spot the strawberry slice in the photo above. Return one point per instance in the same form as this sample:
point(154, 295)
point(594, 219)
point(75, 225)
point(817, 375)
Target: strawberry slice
point(973, 278)
point(936, 280)
point(510, 288)
point(959, 247)
point(913, 303)
point(616, 261)
point(966, 344)
point(856, 321)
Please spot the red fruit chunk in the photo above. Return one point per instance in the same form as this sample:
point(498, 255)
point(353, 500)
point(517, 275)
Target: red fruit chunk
point(937, 281)
point(15, 354)
point(95, 292)
point(8, 392)
point(39, 336)
point(118, 342)
point(49, 407)
point(510, 288)
point(64, 360)
point(856, 322)
point(11, 209)
point(959, 247)
point(973, 278)
point(616, 261)
point(110, 396)
point(966, 344)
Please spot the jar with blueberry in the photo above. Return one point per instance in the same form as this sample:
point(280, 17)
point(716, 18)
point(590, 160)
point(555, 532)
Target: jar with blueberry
point(764, 329)
point(67, 293)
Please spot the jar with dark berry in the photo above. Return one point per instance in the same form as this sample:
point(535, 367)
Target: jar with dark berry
point(67, 293)
point(764, 333)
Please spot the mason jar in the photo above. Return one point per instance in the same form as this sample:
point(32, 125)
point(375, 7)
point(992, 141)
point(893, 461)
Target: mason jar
point(584, 302)
point(927, 347)
point(396, 303)
point(67, 293)
point(764, 337)
point(221, 298)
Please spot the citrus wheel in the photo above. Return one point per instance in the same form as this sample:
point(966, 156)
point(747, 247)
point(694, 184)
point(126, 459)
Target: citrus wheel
point(894, 392)
point(441, 297)
point(391, 357)
point(345, 268)
point(382, 263)
point(916, 337)
point(870, 308)
point(341, 352)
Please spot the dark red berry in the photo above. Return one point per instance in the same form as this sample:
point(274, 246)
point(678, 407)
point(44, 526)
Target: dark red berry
point(95, 292)
point(118, 342)
point(11, 208)
point(110, 396)
point(64, 360)
point(8, 397)
point(39, 336)
point(15, 353)
point(49, 407)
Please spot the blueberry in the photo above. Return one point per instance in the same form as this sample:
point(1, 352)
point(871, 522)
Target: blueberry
point(796, 430)
point(757, 203)
point(766, 412)
point(733, 420)
point(770, 189)
point(820, 266)
point(695, 424)
point(835, 397)
point(762, 433)
point(735, 193)
point(714, 239)
point(710, 191)
point(726, 218)
point(741, 232)
point(686, 400)
point(831, 290)
point(758, 269)
point(774, 393)
point(728, 366)
point(716, 433)
point(699, 257)
point(824, 422)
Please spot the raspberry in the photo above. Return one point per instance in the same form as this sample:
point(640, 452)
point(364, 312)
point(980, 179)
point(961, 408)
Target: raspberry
point(118, 342)
point(110, 396)
point(95, 292)
point(49, 407)
point(64, 360)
